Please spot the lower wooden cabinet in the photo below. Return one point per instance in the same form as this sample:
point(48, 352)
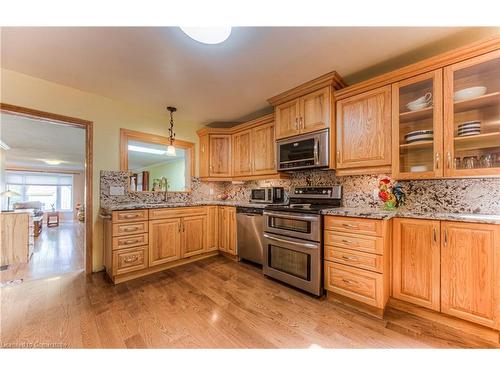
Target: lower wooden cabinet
point(416, 262)
point(193, 236)
point(164, 241)
point(450, 267)
point(212, 228)
point(130, 260)
point(227, 230)
point(470, 272)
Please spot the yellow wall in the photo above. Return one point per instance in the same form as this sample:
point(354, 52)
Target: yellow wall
point(108, 116)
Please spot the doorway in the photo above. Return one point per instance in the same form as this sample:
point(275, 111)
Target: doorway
point(46, 180)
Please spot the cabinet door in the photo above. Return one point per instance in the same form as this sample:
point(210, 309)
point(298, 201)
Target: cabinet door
point(264, 149)
point(242, 153)
point(204, 156)
point(417, 127)
point(220, 155)
point(470, 272)
point(164, 241)
point(194, 235)
point(213, 228)
point(231, 230)
point(471, 116)
point(416, 262)
point(364, 129)
point(315, 109)
point(222, 228)
point(287, 119)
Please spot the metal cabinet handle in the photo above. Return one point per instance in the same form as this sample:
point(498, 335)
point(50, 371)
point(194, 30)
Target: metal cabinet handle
point(446, 237)
point(131, 259)
point(128, 242)
point(437, 160)
point(350, 225)
point(349, 258)
point(347, 241)
point(448, 160)
point(434, 232)
point(130, 229)
point(130, 216)
point(301, 123)
point(296, 123)
point(349, 281)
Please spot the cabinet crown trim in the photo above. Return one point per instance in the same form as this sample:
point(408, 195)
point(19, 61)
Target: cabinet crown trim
point(240, 127)
point(328, 79)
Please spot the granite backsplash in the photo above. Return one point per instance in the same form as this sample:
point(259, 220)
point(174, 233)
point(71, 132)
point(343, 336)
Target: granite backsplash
point(447, 195)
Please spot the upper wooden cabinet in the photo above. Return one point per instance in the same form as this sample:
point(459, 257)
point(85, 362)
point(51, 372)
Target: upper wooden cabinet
point(364, 132)
point(264, 149)
point(472, 117)
point(416, 262)
point(306, 108)
point(242, 153)
point(470, 272)
point(306, 114)
point(220, 155)
point(248, 150)
point(417, 131)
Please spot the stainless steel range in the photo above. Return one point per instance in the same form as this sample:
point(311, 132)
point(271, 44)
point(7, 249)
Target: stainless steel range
point(293, 237)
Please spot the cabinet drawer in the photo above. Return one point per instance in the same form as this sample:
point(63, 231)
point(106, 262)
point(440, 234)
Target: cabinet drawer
point(374, 245)
point(366, 261)
point(131, 215)
point(129, 260)
point(130, 228)
point(130, 241)
point(370, 227)
point(360, 285)
point(170, 213)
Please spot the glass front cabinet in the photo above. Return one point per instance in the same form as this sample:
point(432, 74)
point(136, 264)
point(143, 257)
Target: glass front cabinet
point(446, 123)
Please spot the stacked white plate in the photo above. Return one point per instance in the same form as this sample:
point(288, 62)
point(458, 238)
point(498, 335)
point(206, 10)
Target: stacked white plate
point(419, 136)
point(469, 128)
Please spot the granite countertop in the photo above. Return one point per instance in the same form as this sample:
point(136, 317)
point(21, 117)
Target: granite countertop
point(106, 210)
point(386, 215)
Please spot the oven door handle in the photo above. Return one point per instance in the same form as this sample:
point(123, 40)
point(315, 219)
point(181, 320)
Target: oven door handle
point(308, 245)
point(283, 216)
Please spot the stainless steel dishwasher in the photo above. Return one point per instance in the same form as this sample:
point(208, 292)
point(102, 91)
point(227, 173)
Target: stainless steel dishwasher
point(250, 227)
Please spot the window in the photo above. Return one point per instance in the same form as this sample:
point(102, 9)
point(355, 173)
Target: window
point(51, 189)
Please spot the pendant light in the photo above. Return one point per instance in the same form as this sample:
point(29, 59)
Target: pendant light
point(171, 134)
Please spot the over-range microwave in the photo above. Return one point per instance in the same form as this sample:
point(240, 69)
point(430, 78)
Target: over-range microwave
point(304, 151)
point(268, 195)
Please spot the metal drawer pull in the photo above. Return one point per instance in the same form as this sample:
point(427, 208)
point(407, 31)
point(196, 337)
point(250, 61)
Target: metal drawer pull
point(350, 225)
point(130, 216)
point(346, 241)
point(310, 246)
point(130, 229)
point(446, 237)
point(434, 234)
point(349, 281)
point(127, 242)
point(131, 259)
point(349, 258)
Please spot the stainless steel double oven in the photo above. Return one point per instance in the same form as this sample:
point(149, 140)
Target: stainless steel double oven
point(292, 249)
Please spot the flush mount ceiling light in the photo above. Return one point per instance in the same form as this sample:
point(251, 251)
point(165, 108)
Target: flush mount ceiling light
point(208, 35)
point(146, 150)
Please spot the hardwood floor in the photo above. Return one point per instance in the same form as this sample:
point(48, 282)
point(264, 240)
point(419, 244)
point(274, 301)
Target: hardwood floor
point(214, 303)
point(57, 250)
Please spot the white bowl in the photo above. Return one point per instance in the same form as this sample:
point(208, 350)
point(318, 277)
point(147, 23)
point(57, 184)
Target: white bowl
point(469, 93)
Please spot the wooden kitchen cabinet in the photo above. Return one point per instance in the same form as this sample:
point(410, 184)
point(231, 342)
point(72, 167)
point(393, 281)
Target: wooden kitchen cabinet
point(194, 235)
point(472, 94)
point(227, 230)
point(306, 114)
point(204, 155)
point(417, 127)
point(164, 241)
point(212, 228)
point(220, 155)
point(287, 119)
point(364, 132)
point(416, 259)
point(242, 153)
point(470, 272)
point(264, 149)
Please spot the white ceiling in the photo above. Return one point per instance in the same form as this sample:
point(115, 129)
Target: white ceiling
point(32, 142)
point(162, 66)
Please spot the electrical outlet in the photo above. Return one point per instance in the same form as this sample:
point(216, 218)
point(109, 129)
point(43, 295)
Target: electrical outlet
point(375, 194)
point(116, 190)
